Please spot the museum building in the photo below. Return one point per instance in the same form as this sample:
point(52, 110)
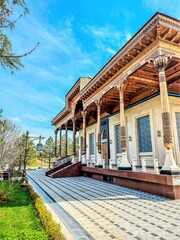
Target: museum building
point(128, 114)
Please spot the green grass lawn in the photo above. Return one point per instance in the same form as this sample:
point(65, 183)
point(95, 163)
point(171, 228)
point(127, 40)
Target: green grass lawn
point(18, 219)
point(37, 163)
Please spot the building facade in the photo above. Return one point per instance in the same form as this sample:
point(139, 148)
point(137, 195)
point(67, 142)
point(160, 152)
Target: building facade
point(130, 110)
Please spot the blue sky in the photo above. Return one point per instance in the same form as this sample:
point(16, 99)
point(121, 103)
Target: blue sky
point(77, 37)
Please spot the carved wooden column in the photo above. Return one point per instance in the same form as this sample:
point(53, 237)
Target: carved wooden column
point(55, 144)
point(169, 166)
point(99, 162)
point(66, 140)
point(83, 160)
point(124, 164)
point(74, 140)
point(60, 142)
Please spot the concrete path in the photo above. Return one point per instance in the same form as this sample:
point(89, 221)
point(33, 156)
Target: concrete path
point(92, 209)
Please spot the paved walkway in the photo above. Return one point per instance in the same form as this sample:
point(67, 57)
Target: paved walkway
point(92, 209)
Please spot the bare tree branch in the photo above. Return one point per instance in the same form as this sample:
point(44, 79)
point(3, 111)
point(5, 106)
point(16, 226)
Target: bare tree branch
point(10, 24)
point(20, 56)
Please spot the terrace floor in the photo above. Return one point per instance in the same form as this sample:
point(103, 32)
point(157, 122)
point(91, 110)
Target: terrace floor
point(92, 209)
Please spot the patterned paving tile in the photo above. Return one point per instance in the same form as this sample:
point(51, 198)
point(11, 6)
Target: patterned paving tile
point(105, 211)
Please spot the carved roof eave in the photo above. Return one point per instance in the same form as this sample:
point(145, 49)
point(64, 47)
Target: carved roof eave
point(158, 18)
point(60, 115)
point(73, 89)
point(66, 109)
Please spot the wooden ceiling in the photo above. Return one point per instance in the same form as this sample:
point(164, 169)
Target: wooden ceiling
point(142, 83)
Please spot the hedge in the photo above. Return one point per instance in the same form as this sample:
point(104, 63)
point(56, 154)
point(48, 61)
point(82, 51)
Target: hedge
point(51, 227)
point(25, 234)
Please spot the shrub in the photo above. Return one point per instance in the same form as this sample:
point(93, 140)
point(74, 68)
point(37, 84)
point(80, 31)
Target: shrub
point(52, 228)
point(25, 234)
point(5, 194)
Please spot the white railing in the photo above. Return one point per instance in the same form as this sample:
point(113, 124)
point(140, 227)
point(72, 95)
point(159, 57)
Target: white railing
point(62, 161)
point(133, 162)
point(156, 165)
point(145, 166)
point(91, 161)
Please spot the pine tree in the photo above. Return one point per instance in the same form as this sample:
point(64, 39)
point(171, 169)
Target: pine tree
point(8, 59)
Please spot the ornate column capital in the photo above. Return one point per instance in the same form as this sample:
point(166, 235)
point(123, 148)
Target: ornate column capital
point(120, 82)
point(160, 58)
point(84, 113)
point(160, 62)
point(73, 119)
point(120, 87)
point(60, 128)
point(98, 103)
point(84, 105)
point(66, 124)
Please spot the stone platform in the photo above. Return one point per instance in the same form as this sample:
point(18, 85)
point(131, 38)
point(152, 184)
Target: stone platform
point(162, 185)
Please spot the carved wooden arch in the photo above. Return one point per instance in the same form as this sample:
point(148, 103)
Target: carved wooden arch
point(104, 134)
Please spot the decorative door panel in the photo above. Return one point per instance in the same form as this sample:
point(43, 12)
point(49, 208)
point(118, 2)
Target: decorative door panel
point(105, 141)
point(144, 134)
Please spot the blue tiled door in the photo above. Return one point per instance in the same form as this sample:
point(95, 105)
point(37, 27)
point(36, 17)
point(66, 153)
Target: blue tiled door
point(105, 139)
point(118, 138)
point(91, 141)
point(144, 134)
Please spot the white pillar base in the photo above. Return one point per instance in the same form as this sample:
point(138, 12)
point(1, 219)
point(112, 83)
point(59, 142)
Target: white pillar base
point(124, 164)
point(170, 167)
point(99, 162)
point(73, 160)
point(83, 160)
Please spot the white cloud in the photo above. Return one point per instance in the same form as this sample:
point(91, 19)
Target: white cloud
point(111, 51)
point(107, 32)
point(107, 39)
point(128, 36)
point(36, 117)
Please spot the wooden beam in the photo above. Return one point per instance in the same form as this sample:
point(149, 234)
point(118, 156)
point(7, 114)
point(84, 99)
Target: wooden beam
point(142, 94)
point(172, 69)
point(163, 35)
point(142, 45)
point(151, 82)
point(176, 34)
point(175, 74)
point(174, 87)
